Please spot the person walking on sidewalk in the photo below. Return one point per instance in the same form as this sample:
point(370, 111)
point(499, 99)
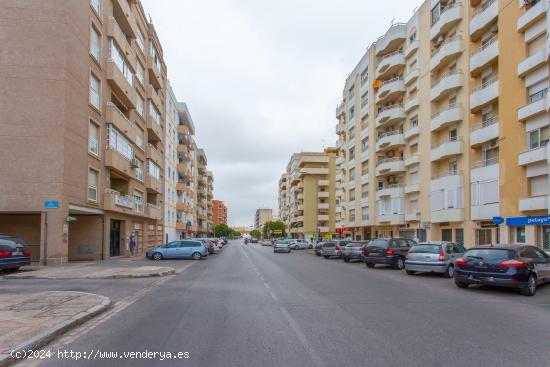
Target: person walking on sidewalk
point(132, 245)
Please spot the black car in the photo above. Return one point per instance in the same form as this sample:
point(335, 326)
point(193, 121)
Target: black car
point(13, 253)
point(387, 251)
point(253, 240)
point(515, 266)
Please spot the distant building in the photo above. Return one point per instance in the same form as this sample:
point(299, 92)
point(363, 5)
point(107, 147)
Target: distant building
point(262, 216)
point(219, 211)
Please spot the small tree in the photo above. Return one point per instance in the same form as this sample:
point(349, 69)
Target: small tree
point(276, 226)
point(255, 233)
point(222, 230)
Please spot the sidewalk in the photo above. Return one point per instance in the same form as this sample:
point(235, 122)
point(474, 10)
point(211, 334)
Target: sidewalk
point(29, 321)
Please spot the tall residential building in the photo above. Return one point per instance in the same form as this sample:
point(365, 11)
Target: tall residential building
point(307, 194)
point(209, 204)
point(170, 165)
point(261, 217)
point(219, 212)
point(186, 182)
point(205, 193)
point(422, 134)
point(88, 99)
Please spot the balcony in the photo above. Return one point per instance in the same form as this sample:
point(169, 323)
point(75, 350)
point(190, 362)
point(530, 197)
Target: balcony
point(323, 206)
point(411, 104)
point(532, 62)
point(323, 217)
point(537, 104)
point(485, 211)
point(314, 171)
point(484, 56)
point(390, 140)
point(532, 15)
point(324, 229)
point(340, 129)
point(155, 155)
point(484, 132)
point(340, 109)
point(534, 203)
point(451, 179)
point(364, 178)
point(391, 191)
point(323, 183)
point(114, 116)
point(412, 188)
point(447, 51)
point(183, 170)
point(447, 149)
point(446, 117)
point(153, 96)
point(364, 109)
point(392, 40)
point(115, 32)
point(448, 215)
point(395, 219)
point(540, 154)
point(155, 77)
point(413, 159)
point(412, 76)
point(390, 64)
point(124, 16)
point(390, 166)
point(152, 184)
point(484, 171)
point(484, 95)
point(449, 17)
point(390, 114)
point(412, 132)
point(448, 83)
point(123, 88)
point(390, 90)
point(153, 211)
point(323, 194)
point(412, 216)
point(411, 47)
point(115, 161)
point(483, 18)
point(116, 202)
point(154, 129)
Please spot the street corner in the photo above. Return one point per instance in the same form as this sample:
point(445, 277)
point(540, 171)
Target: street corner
point(139, 272)
point(28, 322)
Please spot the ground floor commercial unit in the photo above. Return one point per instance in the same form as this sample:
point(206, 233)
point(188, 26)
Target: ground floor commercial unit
point(312, 235)
point(57, 236)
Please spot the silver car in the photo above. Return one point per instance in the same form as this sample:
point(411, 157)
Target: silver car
point(282, 246)
point(333, 248)
point(299, 244)
point(433, 257)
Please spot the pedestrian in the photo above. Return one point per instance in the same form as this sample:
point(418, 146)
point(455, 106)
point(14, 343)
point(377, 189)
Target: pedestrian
point(132, 245)
point(415, 239)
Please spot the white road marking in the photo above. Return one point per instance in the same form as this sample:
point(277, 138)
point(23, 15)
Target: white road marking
point(303, 339)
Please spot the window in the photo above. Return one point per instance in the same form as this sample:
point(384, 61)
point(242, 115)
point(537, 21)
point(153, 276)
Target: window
point(365, 213)
point(538, 138)
point(352, 174)
point(140, 73)
point(414, 121)
point(92, 184)
point(520, 234)
point(121, 63)
point(96, 5)
point(483, 236)
point(352, 215)
point(93, 139)
point(154, 113)
point(139, 138)
point(139, 169)
point(153, 170)
point(459, 237)
point(138, 201)
point(154, 54)
point(95, 43)
point(352, 195)
point(139, 105)
point(365, 191)
point(95, 97)
point(116, 141)
point(447, 234)
point(436, 12)
point(364, 145)
point(140, 41)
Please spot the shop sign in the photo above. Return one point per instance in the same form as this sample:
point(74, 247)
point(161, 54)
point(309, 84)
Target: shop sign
point(528, 221)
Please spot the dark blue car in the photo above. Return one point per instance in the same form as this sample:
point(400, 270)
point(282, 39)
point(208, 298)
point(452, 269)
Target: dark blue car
point(13, 253)
point(515, 266)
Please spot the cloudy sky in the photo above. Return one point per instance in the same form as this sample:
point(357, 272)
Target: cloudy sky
point(262, 80)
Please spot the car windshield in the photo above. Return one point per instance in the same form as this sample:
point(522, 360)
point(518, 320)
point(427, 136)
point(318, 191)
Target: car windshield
point(378, 243)
point(489, 255)
point(329, 244)
point(425, 249)
point(282, 242)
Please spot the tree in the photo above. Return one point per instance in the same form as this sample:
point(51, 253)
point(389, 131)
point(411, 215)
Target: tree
point(222, 230)
point(255, 233)
point(276, 226)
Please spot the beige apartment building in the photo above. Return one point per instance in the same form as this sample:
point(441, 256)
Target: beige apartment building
point(205, 192)
point(81, 129)
point(443, 129)
point(262, 216)
point(307, 195)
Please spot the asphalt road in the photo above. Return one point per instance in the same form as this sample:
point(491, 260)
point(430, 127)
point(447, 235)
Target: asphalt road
point(251, 307)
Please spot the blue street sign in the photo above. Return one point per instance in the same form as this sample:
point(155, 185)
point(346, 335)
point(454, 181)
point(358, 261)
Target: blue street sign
point(51, 204)
point(528, 221)
point(498, 220)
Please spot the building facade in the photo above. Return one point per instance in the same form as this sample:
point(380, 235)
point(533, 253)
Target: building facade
point(440, 136)
point(170, 165)
point(90, 101)
point(262, 216)
point(219, 212)
point(307, 195)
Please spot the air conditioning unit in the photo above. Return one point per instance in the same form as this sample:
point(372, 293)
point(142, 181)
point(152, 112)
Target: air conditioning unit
point(134, 162)
point(439, 41)
point(493, 144)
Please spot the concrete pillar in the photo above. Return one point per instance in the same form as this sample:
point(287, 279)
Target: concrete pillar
point(531, 235)
point(56, 237)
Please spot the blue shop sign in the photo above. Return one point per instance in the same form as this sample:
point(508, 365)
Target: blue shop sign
point(528, 221)
point(498, 220)
point(51, 204)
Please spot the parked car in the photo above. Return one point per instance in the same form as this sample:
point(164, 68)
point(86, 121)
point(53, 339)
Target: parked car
point(253, 240)
point(181, 249)
point(522, 267)
point(333, 248)
point(299, 244)
point(353, 251)
point(14, 253)
point(318, 247)
point(388, 251)
point(282, 246)
point(208, 243)
point(433, 257)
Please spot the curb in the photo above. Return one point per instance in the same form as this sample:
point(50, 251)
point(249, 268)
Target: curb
point(52, 333)
point(115, 276)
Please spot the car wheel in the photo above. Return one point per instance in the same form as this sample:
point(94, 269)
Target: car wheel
point(310, 247)
point(399, 264)
point(318, 254)
point(157, 256)
point(369, 265)
point(450, 272)
point(531, 288)
point(196, 256)
point(461, 284)
point(326, 256)
point(346, 259)
point(410, 272)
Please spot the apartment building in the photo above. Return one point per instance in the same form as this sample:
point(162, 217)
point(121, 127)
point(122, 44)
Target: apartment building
point(421, 121)
point(307, 195)
point(170, 165)
point(205, 192)
point(88, 99)
point(186, 183)
point(262, 216)
point(209, 204)
point(219, 212)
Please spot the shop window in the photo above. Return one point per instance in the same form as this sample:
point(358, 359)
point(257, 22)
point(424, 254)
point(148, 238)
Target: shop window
point(520, 234)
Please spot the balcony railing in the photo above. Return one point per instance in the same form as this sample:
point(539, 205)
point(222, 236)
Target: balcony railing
point(390, 133)
point(485, 84)
point(121, 200)
point(444, 9)
point(390, 159)
point(490, 121)
point(485, 45)
point(485, 163)
point(446, 141)
point(452, 172)
point(483, 7)
point(444, 75)
point(447, 41)
point(449, 107)
point(390, 186)
point(537, 96)
point(390, 55)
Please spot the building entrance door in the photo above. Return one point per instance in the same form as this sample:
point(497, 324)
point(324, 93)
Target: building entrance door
point(114, 238)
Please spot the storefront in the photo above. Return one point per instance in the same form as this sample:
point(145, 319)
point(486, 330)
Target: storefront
point(529, 230)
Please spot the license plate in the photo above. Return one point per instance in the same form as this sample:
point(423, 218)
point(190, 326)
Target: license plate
point(16, 253)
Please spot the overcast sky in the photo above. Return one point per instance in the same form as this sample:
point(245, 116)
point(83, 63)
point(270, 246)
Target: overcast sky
point(262, 80)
